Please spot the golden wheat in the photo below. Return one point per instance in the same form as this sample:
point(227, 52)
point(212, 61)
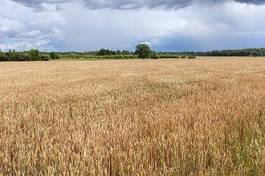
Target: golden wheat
point(149, 117)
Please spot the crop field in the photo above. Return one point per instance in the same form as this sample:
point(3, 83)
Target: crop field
point(133, 117)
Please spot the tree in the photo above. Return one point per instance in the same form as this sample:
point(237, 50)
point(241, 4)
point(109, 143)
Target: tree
point(34, 55)
point(103, 52)
point(143, 51)
point(54, 56)
point(126, 52)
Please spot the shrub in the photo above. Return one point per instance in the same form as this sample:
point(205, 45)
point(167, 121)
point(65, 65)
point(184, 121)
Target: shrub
point(192, 57)
point(44, 58)
point(167, 56)
point(154, 55)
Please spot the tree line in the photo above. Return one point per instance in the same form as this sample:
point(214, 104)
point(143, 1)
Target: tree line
point(229, 52)
point(141, 51)
point(104, 52)
point(238, 52)
point(32, 55)
point(144, 51)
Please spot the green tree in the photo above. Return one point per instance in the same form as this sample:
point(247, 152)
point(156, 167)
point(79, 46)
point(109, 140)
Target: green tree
point(143, 51)
point(34, 55)
point(54, 56)
point(104, 52)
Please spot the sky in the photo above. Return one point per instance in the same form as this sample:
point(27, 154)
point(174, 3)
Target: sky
point(166, 25)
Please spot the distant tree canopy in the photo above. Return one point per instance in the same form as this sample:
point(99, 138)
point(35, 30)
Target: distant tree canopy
point(54, 56)
point(108, 52)
point(237, 52)
point(143, 51)
point(32, 55)
point(103, 52)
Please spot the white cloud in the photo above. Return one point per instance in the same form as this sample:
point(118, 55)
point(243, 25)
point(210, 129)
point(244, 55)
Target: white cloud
point(23, 27)
point(118, 29)
point(17, 46)
point(10, 27)
point(72, 26)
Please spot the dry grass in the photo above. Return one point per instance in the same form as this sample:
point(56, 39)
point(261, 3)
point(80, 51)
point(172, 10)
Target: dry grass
point(151, 117)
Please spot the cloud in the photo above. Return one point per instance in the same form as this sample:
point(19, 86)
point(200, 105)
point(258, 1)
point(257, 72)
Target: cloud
point(22, 27)
point(116, 29)
point(39, 3)
point(10, 28)
point(82, 25)
point(251, 1)
point(132, 4)
point(17, 46)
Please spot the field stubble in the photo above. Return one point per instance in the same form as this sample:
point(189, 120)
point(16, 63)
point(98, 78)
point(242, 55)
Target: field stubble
point(150, 117)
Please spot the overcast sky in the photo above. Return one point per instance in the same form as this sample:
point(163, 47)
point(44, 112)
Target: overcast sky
point(167, 25)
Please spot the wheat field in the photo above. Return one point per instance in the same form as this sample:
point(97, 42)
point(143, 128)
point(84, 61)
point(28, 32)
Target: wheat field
point(144, 117)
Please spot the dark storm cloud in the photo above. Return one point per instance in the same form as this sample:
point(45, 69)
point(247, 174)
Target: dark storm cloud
point(251, 1)
point(38, 2)
point(115, 4)
point(132, 4)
